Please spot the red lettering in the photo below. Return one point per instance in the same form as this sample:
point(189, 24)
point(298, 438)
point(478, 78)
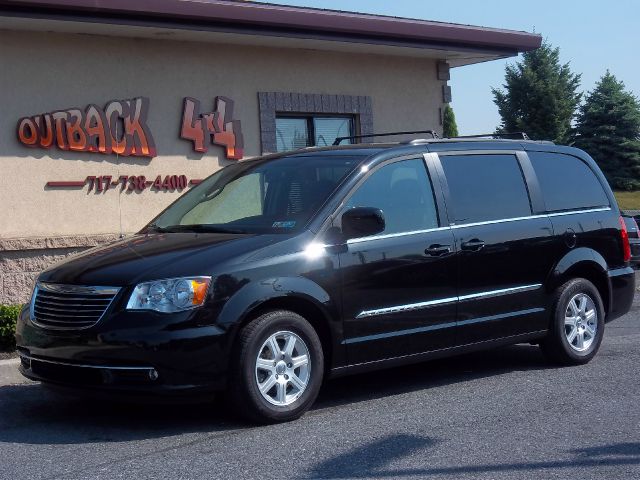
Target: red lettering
point(121, 128)
point(192, 128)
point(28, 132)
point(115, 112)
point(219, 125)
point(45, 129)
point(94, 123)
point(60, 122)
point(137, 132)
point(76, 135)
point(228, 131)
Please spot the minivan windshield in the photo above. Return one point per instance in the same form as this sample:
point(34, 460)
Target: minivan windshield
point(274, 196)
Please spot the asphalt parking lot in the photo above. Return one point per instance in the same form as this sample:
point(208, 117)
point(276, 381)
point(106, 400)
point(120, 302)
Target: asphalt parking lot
point(499, 414)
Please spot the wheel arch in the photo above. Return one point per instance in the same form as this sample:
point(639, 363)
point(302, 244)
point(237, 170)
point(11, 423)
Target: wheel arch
point(583, 263)
point(299, 295)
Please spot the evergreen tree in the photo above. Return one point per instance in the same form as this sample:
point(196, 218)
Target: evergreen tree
point(449, 126)
point(539, 96)
point(608, 128)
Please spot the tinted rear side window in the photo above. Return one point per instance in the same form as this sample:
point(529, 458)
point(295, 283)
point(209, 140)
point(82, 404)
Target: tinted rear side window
point(567, 183)
point(485, 187)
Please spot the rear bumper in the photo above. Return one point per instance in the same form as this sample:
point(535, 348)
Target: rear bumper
point(635, 252)
point(622, 288)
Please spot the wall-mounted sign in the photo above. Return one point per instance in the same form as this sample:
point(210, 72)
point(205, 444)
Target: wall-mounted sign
point(219, 125)
point(120, 127)
point(129, 183)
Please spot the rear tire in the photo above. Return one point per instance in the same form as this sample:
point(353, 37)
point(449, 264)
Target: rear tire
point(577, 326)
point(277, 368)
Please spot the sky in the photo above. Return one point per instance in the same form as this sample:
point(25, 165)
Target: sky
point(592, 35)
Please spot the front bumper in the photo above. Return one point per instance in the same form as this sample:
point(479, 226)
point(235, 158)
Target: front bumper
point(129, 353)
point(622, 288)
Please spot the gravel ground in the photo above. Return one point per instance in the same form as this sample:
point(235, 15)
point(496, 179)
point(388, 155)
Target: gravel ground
point(7, 355)
point(493, 415)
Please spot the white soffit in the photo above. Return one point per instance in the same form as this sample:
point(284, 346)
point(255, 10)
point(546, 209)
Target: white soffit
point(455, 57)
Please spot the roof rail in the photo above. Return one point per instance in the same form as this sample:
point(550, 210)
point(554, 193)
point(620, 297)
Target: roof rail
point(508, 135)
point(339, 140)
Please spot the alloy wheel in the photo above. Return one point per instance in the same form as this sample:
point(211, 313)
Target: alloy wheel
point(283, 368)
point(581, 322)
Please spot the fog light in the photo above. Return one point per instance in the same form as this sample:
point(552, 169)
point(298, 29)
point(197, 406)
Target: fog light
point(153, 374)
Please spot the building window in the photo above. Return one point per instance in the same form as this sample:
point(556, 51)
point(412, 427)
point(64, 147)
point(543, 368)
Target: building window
point(296, 120)
point(298, 131)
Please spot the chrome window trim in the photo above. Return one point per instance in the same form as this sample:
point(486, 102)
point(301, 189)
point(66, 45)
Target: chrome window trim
point(475, 224)
point(502, 220)
point(442, 301)
point(398, 234)
point(531, 217)
point(572, 212)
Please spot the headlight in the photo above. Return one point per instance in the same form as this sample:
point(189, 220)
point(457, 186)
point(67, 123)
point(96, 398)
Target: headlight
point(170, 295)
point(32, 300)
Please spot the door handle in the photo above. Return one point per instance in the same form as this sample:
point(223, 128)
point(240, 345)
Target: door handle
point(473, 245)
point(437, 250)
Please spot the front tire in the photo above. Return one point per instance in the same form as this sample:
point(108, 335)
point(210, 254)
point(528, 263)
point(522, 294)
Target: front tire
point(277, 369)
point(577, 327)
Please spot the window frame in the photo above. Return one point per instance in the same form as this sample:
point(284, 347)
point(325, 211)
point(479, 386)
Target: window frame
point(529, 178)
point(335, 220)
point(311, 128)
point(313, 103)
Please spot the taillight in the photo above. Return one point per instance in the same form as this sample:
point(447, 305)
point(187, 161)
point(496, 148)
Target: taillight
point(626, 248)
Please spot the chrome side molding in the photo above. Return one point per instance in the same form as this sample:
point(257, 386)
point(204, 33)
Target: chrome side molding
point(442, 301)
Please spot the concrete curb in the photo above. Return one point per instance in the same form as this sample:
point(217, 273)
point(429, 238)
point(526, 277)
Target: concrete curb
point(9, 374)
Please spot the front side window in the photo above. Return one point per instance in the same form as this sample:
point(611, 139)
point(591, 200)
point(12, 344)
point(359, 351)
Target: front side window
point(485, 187)
point(567, 183)
point(276, 196)
point(293, 132)
point(403, 192)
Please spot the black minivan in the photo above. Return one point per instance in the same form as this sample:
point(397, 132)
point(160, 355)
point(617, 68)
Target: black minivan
point(276, 273)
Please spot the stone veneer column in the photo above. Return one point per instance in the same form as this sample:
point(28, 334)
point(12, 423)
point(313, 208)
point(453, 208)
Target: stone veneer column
point(22, 259)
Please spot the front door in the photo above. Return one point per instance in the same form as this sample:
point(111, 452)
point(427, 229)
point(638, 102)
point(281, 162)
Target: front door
point(505, 246)
point(399, 287)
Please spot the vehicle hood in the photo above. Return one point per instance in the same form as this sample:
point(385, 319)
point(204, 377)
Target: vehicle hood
point(155, 256)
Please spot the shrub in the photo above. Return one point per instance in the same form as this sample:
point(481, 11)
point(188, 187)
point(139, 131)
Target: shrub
point(8, 318)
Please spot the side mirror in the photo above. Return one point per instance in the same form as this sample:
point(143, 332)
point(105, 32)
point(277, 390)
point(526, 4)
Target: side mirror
point(362, 222)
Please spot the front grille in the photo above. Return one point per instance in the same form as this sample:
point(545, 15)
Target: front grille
point(70, 307)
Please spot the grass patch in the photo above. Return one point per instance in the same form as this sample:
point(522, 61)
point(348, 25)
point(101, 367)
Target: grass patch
point(628, 200)
point(8, 318)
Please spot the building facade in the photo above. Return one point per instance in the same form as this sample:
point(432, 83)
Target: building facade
point(111, 109)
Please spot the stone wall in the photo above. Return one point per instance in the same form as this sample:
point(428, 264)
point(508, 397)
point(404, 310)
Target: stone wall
point(22, 259)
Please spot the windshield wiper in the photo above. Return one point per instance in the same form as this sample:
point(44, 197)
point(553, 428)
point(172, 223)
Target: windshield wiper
point(200, 228)
point(156, 228)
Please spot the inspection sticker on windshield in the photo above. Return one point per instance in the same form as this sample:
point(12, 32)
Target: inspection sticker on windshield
point(289, 224)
